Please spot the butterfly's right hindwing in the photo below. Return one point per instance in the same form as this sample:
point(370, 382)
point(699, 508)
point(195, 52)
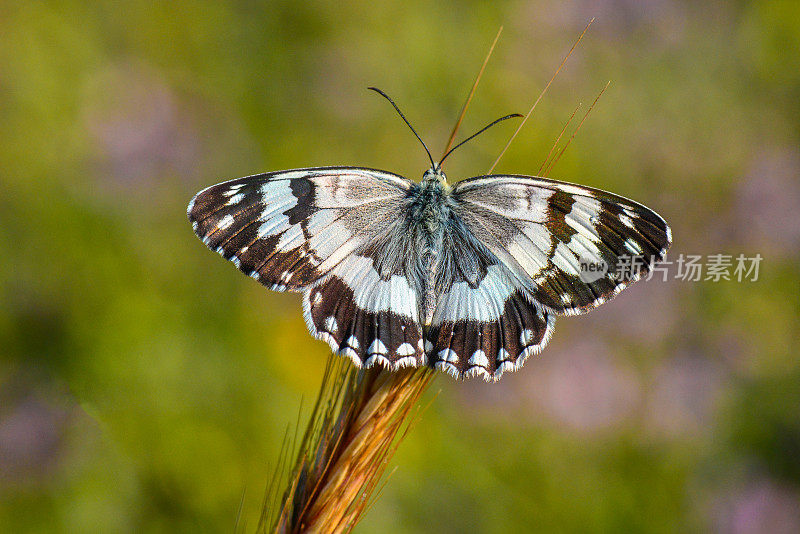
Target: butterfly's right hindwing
point(487, 328)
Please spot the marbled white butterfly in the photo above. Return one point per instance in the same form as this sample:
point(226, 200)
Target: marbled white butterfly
point(467, 278)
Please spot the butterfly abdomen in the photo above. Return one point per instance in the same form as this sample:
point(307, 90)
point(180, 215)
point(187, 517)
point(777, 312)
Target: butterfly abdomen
point(430, 215)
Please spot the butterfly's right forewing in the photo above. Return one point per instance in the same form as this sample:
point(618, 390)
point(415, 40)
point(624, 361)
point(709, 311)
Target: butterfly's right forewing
point(546, 232)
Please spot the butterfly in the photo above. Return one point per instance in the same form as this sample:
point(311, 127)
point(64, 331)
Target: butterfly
point(467, 278)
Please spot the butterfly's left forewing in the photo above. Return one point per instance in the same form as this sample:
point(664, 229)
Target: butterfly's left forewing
point(288, 229)
point(324, 232)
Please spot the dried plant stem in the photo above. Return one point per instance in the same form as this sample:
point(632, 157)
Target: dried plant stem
point(359, 418)
point(470, 95)
point(558, 139)
point(555, 159)
point(533, 107)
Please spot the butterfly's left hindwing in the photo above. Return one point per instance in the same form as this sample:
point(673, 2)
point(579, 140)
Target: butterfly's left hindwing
point(332, 233)
point(371, 319)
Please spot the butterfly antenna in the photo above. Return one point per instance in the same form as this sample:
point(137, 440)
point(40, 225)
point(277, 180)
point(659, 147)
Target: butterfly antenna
point(471, 94)
point(384, 95)
point(476, 134)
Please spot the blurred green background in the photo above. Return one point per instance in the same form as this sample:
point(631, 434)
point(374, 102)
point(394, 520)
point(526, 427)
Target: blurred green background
point(145, 384)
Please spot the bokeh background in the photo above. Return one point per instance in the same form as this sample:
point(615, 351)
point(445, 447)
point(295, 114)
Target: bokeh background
point(145, 384)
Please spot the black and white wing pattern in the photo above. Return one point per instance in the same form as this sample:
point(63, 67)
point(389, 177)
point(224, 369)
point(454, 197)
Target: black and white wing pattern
point(467, 279)
point(487, 328)
point(533, 234)
point(543, 230)
point(320, 231)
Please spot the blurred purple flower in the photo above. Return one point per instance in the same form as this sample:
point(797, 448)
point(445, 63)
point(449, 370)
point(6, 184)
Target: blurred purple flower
point(682, 396)
point(31, 433)
point(136, 122)
point(616, 19)
point(585, 389)
point(580, 386)
point(761, 507)
point(648, 311)
point(766, 203)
